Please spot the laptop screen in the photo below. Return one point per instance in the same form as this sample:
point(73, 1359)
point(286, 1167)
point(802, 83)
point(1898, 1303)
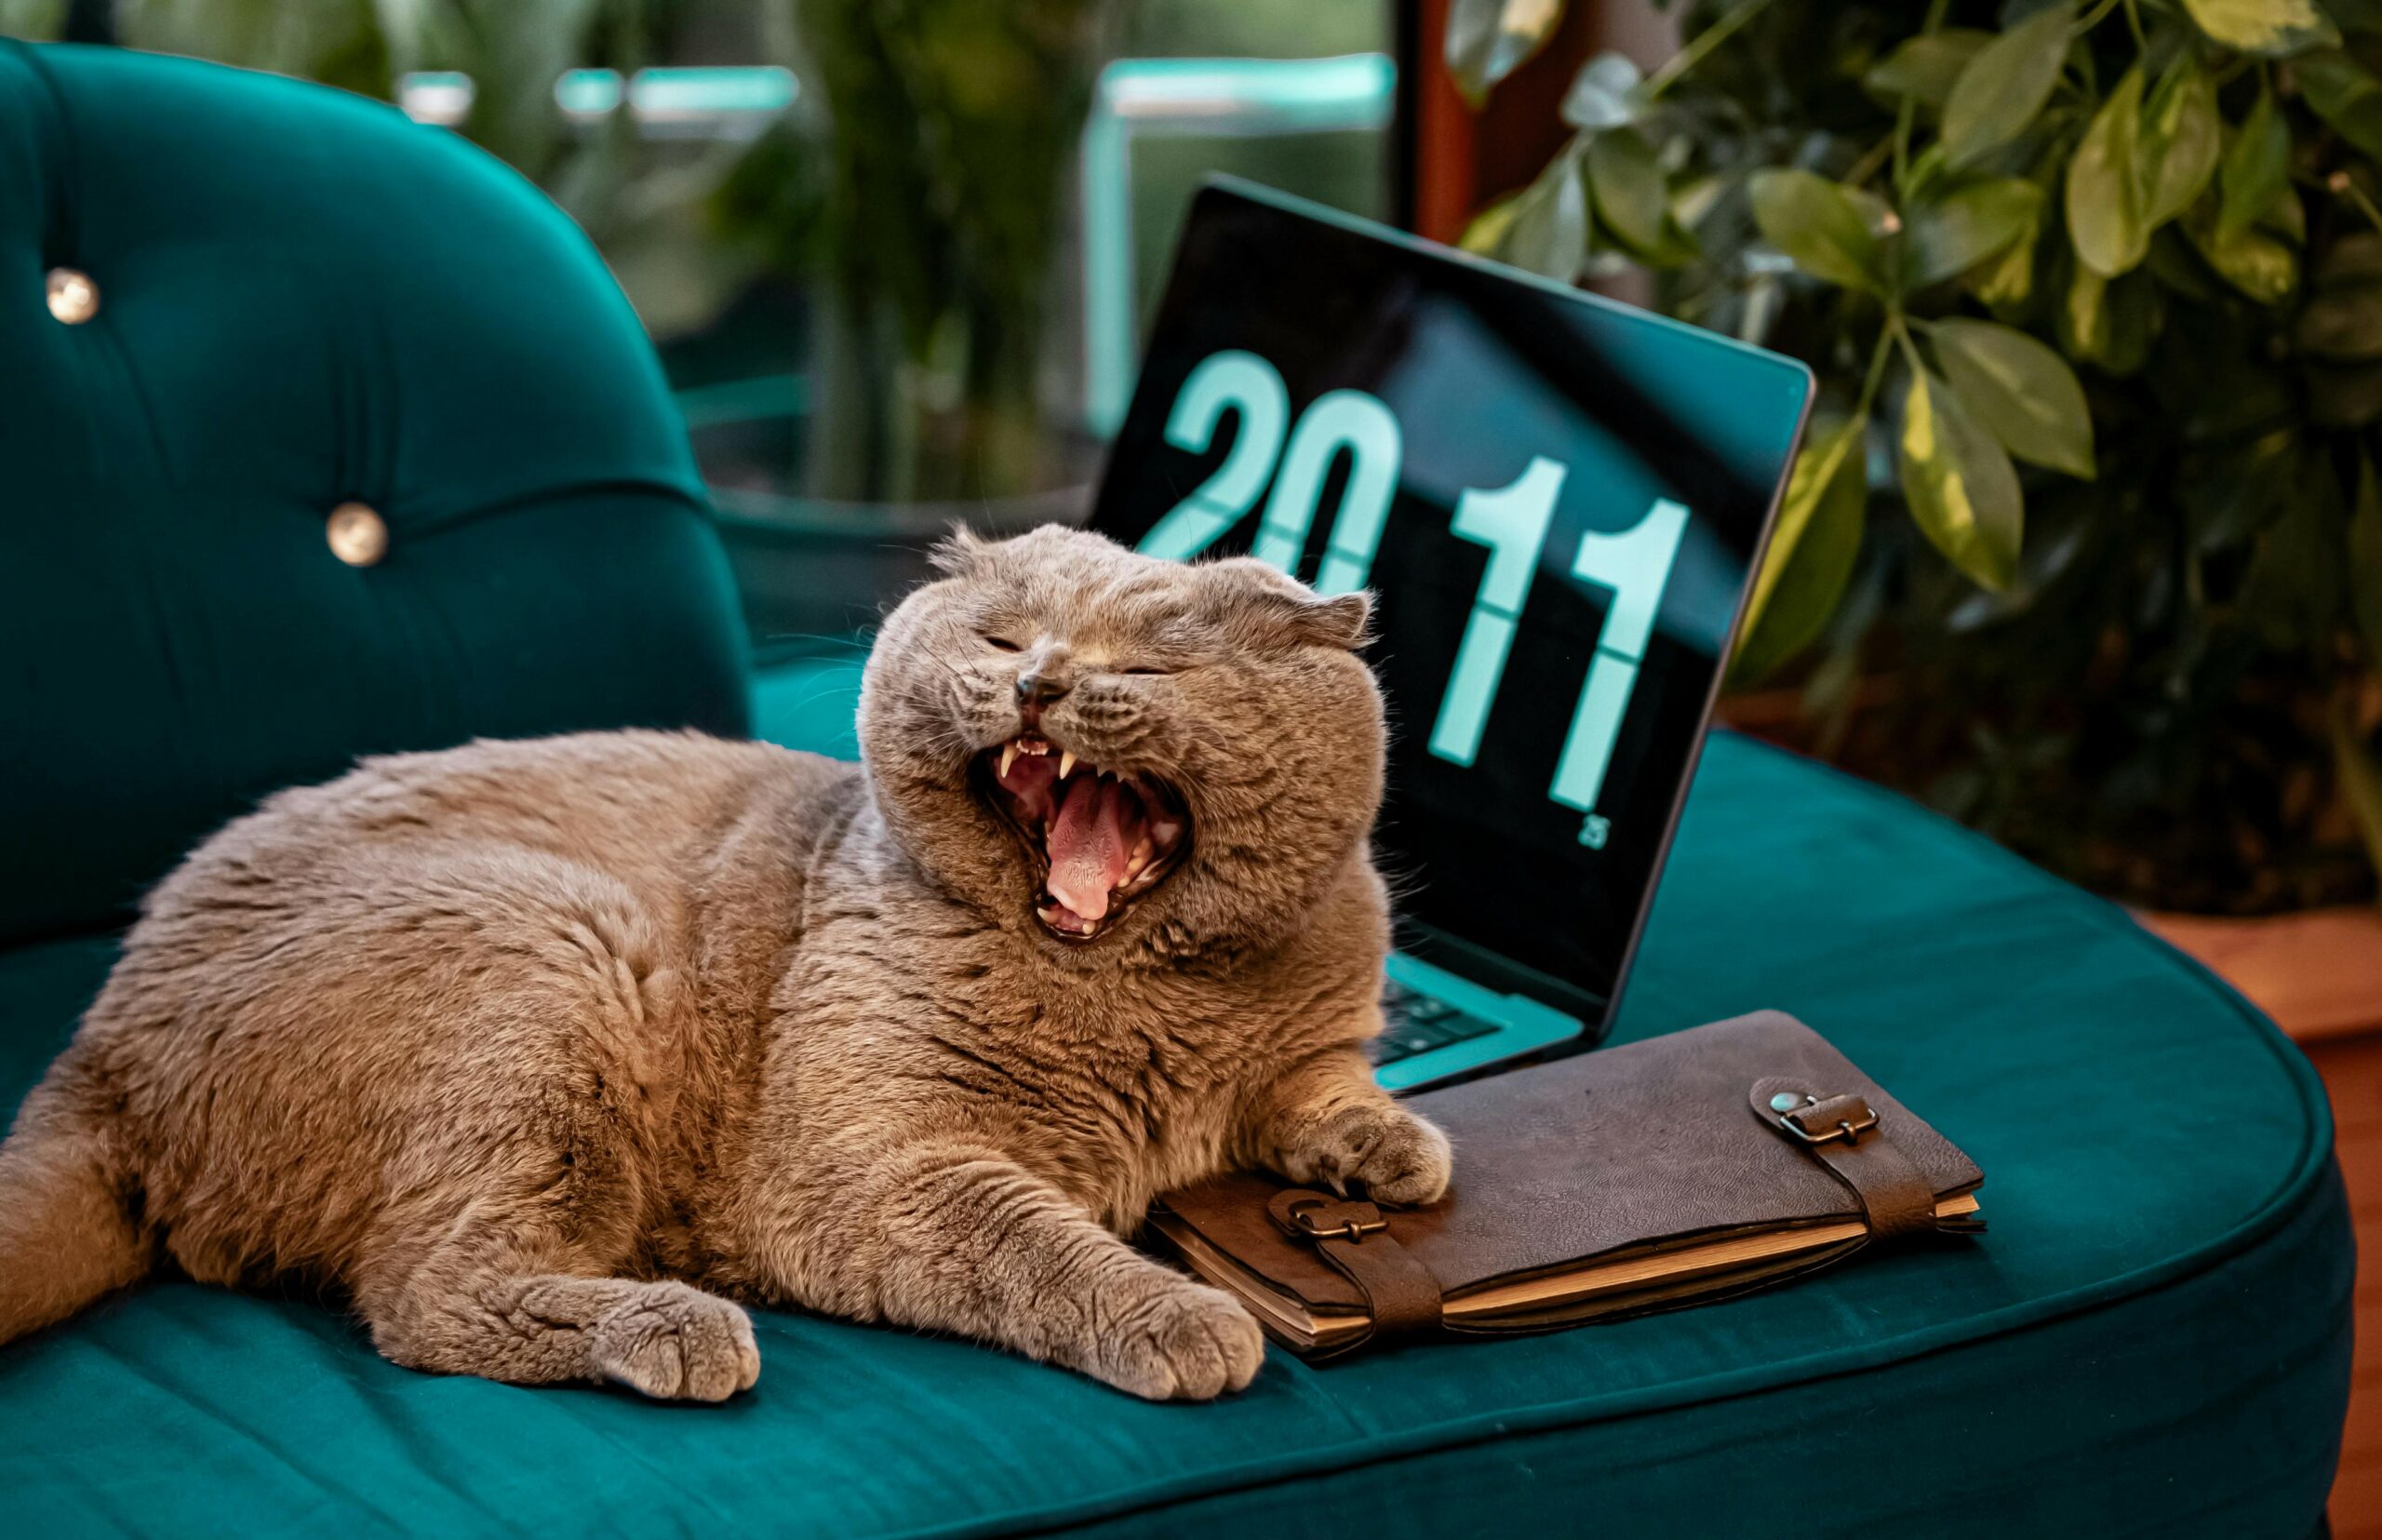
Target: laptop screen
point(1559, 501)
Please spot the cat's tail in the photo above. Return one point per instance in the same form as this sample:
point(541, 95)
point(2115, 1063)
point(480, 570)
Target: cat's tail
point(67, 1233)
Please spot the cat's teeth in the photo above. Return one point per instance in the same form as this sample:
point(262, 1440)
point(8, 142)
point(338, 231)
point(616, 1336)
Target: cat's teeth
point(1008, 758)
point(1066, 764)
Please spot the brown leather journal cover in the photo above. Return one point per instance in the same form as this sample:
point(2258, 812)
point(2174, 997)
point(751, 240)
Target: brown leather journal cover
point(1618, 1180)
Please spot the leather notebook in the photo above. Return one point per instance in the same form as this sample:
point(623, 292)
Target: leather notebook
point(1659, 1174)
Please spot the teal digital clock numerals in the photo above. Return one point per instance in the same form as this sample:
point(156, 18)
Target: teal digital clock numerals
point(1635, 563)
point(1342, 419)
point(1231, 381)
point(1346, 420)
point(1511, 520)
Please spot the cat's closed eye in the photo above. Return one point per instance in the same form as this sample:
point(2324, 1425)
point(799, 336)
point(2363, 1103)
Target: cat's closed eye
point(1146, 668)
point(1002, 643)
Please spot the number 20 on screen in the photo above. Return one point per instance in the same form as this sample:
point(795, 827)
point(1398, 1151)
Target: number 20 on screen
point(1512, 521)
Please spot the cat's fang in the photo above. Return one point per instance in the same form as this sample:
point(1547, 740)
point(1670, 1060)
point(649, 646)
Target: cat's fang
point(1066, 764)
point(1008, 758)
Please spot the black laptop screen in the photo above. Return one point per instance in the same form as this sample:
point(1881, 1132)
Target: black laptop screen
point(1556, 499)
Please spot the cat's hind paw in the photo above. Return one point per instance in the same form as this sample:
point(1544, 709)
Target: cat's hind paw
point(676, 1343)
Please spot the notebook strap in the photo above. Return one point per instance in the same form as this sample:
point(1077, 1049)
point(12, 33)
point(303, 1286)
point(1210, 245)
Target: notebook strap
point(1841, 1131)
point(1351, 1235)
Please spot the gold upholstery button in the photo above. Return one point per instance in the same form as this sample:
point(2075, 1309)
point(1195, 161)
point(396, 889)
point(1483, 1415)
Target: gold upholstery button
point(74, 298)
point(357, 535)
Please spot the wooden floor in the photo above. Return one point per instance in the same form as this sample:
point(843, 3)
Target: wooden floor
point(2320, 976)
point(2352, 1071)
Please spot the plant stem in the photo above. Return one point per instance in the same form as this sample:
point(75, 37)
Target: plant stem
point(2348, 189)
point(1877, 364)
point(1703, 43)
point(2097, 15)
point(1901, 333)
point(1904, 115)
point(1867, 166)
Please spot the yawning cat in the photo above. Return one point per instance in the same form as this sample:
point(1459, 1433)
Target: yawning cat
point(539, 1052)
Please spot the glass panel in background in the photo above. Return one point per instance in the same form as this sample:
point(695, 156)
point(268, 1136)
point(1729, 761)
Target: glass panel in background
point(859, 234)
point(1296, 93)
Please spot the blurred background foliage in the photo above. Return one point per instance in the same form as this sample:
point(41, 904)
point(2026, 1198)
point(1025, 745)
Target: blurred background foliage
point(871, 301)
point(896, 251)
point(2085, 545)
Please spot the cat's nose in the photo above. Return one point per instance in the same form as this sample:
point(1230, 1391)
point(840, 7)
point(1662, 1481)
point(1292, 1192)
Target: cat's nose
point(1037, 691)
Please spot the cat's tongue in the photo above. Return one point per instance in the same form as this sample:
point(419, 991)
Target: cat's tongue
point(1091, 844)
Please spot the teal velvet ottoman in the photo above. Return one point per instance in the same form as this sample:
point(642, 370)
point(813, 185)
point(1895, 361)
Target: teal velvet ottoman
point(304, 301)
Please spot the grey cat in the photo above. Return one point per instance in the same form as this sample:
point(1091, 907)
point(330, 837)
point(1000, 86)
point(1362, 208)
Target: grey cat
point(542, 1052)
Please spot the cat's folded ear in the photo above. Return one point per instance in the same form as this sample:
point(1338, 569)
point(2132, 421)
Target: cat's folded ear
point(1282, 610)
point(957, 554)
point(1343, 620)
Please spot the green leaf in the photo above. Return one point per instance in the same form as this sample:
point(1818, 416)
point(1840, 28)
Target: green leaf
point(2005, 85)
point(2343, 320)
point(1961, 488)
point(2111, 322)
point(1812, 550)
point(2295, 591)
point(1819, 224)
point(2105, 193)
point(1968, 225)
point(2084, 316)
point(1926, 67)
point(1631, 196)
point(2344, 397)
point(2256, 261)
point(1487, 230)
point(1548, 234)
point(2177, 143)
point(2271, 27)
point(1604, 94)
point(2173, 264)
point(2344, 94)
point(2023, 393)
point(2365, 561)
point(2008, 281)
point(1488, 40)
point(2360, 779)
point(2255, 168)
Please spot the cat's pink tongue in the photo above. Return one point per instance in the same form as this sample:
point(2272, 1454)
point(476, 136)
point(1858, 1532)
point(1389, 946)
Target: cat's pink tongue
point(1089, 847)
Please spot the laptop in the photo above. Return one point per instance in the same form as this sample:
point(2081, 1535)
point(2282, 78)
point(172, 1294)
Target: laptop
point(1560, 502)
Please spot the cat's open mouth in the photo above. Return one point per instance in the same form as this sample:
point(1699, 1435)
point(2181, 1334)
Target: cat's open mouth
point(1098, 840)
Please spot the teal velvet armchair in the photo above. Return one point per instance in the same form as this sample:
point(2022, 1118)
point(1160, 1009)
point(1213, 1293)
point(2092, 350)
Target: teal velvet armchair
point(323, 434)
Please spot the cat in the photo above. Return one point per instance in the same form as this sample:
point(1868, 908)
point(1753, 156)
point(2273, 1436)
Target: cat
point(543, 1054)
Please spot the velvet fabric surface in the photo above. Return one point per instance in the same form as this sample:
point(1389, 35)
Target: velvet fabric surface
point(2153, 1339)
point(306, 300)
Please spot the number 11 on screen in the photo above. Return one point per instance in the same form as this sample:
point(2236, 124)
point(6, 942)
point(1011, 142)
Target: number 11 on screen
point(1635, 564)
point(1512, 521)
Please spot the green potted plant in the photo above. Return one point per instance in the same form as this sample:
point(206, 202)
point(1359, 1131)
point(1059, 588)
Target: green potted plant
point(2085, 543)
point(953, 128)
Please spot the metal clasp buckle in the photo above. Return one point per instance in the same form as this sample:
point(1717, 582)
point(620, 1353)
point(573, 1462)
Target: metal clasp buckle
point(1353, 1226)
point(1842, 1118)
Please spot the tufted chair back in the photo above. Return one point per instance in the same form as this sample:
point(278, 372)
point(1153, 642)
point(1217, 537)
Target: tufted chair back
point(321, 434)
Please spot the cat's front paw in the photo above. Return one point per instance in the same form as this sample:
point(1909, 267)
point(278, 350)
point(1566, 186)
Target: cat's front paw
point(1172, 1339)
point(676, 1343)
point(1391, 1154)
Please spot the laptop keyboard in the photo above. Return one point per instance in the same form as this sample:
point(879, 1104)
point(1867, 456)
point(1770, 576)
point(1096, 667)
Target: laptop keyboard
point(1417, 1023)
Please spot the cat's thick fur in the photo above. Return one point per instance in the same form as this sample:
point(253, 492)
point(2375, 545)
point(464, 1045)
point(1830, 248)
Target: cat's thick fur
point(540, 1053)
